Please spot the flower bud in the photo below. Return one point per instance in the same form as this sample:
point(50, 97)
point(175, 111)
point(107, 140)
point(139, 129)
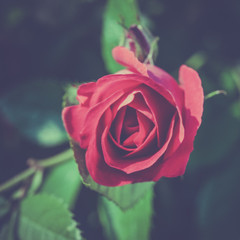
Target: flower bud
point(140, 41)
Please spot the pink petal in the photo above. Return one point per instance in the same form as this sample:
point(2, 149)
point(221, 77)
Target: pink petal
point(145, 127)
point(175, 164)
point(85, 92)
point(125, 150)
point(130, 123)
point(126, 58)
point(73, 118)
point(114, 159)
point(146, 148)
point(100, 171)
point(170, 84)
point(127, 83)
point(124, 71)
point(116, 127)
point(93, 117)
point(193, 91)
point(106, 175)
point(161, 110)
point(129, 142)
point(176, 139)
point(110, 84)
point(140, 105)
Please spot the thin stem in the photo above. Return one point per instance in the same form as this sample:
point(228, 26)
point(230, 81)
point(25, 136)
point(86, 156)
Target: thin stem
point(214, 93)
point(35, 165)
point(59, 158)
point(18, 178)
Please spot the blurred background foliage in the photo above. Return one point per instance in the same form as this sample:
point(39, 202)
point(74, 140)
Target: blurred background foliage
point(45, 45)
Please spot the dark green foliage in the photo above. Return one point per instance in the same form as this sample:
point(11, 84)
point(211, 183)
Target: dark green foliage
point(46, 217)
point(117, 14)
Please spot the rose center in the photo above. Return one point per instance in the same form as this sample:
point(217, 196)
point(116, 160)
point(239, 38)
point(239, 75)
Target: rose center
point(130, 128)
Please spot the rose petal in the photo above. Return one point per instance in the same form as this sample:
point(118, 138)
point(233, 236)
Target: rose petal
point(93, 116)
point(145, 127)
point(175, 164)
point(148, 147)
point(73, 118)
point(112, 158)
point(110, 84)
point(116, 127)
point(122, 148)
point(127, 58)
point(193, 91)
point(154, 106)
point(124, 71)
point(135, 101)
point(129, 142)
point(85, 92)
point(140, 105)
point(161, 110)
point(130, 123)
point(100, 171)
point(169, 83)
point(175, 141)
point(119, 114)
point(127, 83)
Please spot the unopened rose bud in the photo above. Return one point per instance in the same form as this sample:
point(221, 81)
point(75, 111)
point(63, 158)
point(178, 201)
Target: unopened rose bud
point(140, 41)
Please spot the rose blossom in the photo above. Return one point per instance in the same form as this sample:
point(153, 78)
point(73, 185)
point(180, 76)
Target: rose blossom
point(138, 124)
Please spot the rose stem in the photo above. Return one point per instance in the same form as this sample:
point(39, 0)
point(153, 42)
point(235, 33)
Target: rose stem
point(35, 165)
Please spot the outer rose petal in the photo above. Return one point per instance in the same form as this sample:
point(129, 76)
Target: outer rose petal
point(73, 120)
point(92, 118)
point(73, 116)
point(96, 166)
point(85, 92)
point(112, 83)
point(169, 83)
point(126, 58)
point(193, 91)
point(101, 172)
point(175, 164)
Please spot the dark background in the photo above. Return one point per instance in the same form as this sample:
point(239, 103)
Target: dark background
point(44, 45)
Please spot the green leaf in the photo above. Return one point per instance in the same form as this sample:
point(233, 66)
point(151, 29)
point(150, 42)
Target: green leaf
point(36, 182)
point(34, 109)
point(235, 109)
point(69, 97)
point(116, 12)
point(197, 60)
point(230, 80)
point(124, 196)
point(64, 182)
point(4, 207)
point(9, 229)
point(134, 223)
point(44, 217)
point(218, 203)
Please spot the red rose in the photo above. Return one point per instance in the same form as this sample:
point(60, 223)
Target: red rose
point(138, 124)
